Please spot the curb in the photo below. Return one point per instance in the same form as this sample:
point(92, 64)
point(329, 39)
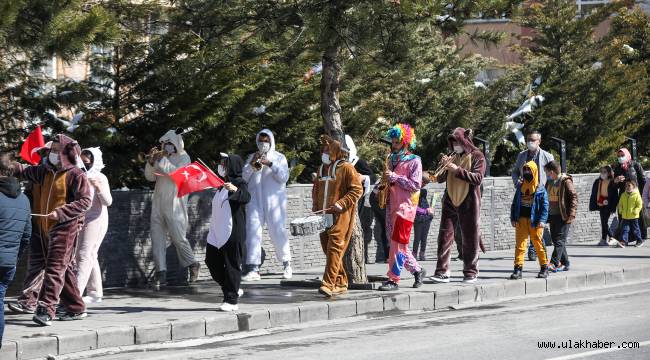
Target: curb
point(111, 337)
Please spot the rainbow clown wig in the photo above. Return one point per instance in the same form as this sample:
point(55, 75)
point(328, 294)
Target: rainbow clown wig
point(405, 134)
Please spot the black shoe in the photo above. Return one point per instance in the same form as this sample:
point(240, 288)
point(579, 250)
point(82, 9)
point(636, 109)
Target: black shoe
point(70, 316)
point(160, 279)
point(60, 311)
point(638, 244)
point(42, 318)
point(389, 286)
point(20, 309)
point(194, 271)
point(532, 255)
point(516, 274)
point(419, 278)
point(543, 272)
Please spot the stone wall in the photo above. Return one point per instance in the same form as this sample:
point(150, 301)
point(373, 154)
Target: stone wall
point(125, 255)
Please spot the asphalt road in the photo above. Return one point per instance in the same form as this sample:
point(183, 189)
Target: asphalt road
point(514, 329)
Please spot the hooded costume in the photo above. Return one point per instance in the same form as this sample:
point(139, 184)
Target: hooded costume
point(268, 204)
point(529, 211)
point(89, 276)
point(228, 232)
point(337, 185)
point(404, 182)
point(66, 191)
point(461, 204)
point(168, 212)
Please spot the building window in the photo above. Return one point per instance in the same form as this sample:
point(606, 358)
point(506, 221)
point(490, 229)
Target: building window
point(586, 7)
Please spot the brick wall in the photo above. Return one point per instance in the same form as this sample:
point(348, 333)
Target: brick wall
point(125, 255)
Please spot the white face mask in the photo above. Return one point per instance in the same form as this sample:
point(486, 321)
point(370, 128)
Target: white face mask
point(621, 159)
point(53, 158)
point(458, 149)
point(221, 170)
point(169, 148)
point(325, 158)
point(264, 147)
point(532, 146)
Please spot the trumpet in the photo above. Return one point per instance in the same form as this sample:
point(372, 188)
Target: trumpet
point(256, 163)
point(442, 165)
point(154, 154)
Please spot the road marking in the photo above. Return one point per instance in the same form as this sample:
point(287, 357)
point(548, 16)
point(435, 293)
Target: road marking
point(596, 352)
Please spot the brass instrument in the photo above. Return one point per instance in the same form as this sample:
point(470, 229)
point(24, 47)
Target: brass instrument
point(383, 186)
point(257, 161)
point(155, 153)
point(442, 165)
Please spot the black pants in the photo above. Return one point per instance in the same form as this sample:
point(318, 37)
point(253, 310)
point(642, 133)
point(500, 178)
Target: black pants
point(380, 230)
point(225, 268)
point(559, 234)
point(605, 214)
point(421, 232)
point(366, 217)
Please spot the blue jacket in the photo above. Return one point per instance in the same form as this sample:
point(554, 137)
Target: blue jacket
point(15, 221)
point(539, 211)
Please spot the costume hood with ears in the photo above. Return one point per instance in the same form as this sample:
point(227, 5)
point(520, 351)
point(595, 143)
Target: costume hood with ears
point(464, 138)
point(268, 133)
point(628, 157)
point(334, 147)
point(97, 159)
point(174, 137)
point(70, 151)
point(530, 187)
point(352, 150)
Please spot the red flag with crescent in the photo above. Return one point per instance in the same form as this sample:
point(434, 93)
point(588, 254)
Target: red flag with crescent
point(33, 143)
point(194, 177)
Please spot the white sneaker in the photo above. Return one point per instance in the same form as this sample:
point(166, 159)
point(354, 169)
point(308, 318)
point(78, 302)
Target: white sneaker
point(288, 272)
point(240, 292)
point(228, 307)
point(251, 276)
point(440, 279)
point(92, 299)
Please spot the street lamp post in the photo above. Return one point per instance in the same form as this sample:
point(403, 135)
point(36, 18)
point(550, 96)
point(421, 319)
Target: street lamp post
point(632, 147)
point(562, 149)
point(486, 152)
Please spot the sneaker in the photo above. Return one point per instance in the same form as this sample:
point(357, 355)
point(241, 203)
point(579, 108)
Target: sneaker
point(194, 271)
point(470, 279)
point(59, 311)
point(543, 272)
point(240, 292)
point(226, 307)
point(251, 276)
point(440, 278)
point(70, 316)
point(603, 242)
point(160, 279)
point(552, 268)
point(563, 268)
point(620, 244)
point(325, 291)
point(20, 309)
point(389, 286)
point(419, 278)
point(638, 244)
point(89, 299)
point(288, 272)
point(532, 255)
point(612, 241)
point(42, 318)
point(517, 273)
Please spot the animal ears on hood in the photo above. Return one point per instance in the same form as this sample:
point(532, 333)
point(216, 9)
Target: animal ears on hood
point(469, 133)
point(179, 131)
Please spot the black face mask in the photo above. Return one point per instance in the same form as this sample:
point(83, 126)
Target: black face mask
point(528, 176)
point(88, 166)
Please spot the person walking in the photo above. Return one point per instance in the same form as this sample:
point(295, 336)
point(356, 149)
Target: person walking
point(563, 206)
point(604, 198)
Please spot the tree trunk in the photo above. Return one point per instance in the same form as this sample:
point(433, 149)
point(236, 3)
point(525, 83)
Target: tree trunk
point(354, 259)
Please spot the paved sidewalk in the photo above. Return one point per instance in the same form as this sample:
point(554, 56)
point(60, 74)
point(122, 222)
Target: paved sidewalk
point(139, 316)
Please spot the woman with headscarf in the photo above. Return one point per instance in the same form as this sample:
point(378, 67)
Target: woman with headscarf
point(89, 276)
point(228, 230)
point(628, 169)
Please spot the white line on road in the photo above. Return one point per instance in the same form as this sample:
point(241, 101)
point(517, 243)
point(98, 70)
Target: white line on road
point(597, 352)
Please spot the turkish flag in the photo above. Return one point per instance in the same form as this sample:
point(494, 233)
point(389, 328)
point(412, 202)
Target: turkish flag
point(194, 177)
point(32, 144)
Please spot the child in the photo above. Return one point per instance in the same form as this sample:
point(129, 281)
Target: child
point(528, 214)
point(228, 230)
point(630, 206)
point(604, 197)
point(563, 205)
point(423, 218)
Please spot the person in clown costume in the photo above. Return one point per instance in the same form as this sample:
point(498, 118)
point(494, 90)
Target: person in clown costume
point(404, 177)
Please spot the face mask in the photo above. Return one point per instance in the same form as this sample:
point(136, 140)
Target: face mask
point(621, 159)
point(458, 149)
point(88, 166)
point(325, 158)
point(169, 148)
point(221, 170)
point(264, 147)
point(532, 146)
point(53, 158)
point(528, 176)
point(603, 176)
